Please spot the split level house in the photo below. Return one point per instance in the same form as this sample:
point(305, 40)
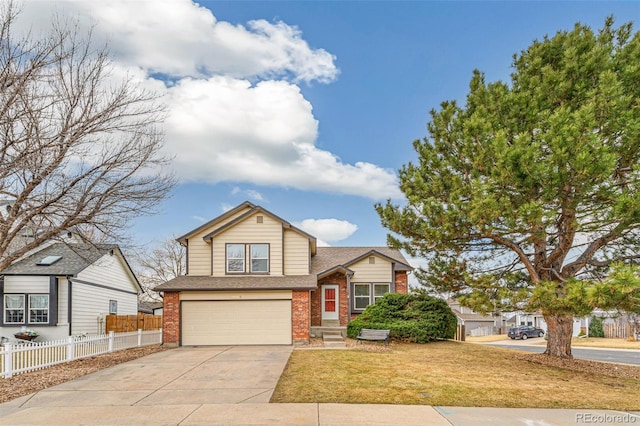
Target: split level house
point(64, 289)
point(254, 278)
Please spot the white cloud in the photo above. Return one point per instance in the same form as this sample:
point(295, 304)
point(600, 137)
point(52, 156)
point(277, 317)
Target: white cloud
point(199, 218)
point(251, 193)
point(327, 230)
point(236, 112)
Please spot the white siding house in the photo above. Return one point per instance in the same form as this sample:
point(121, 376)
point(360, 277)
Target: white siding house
point(66, 289)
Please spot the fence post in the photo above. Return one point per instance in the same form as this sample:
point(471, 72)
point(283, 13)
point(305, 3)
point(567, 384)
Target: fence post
point(139, 337)
point(7, 367)
point(160, 337)
point(70, 348)
point(110, 344)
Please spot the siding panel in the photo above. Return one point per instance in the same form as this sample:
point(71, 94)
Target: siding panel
point(26, 284)
point(110, 271)
point(247, 232)
point(90, 303)
point(365, 272)
point(296, 253)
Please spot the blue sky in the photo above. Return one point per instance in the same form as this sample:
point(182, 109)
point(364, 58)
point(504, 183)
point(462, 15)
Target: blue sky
point(308, 108)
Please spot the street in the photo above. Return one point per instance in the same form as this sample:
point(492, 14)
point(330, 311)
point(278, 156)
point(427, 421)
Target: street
point(621, 356)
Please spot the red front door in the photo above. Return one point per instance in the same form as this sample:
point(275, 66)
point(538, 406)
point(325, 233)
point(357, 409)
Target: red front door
point(330, 302)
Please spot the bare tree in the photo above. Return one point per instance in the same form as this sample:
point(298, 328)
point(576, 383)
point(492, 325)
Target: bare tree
point(161, 264)
point(78, 149)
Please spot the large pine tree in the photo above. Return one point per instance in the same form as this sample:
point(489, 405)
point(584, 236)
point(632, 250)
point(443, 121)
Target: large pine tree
point(526, 195)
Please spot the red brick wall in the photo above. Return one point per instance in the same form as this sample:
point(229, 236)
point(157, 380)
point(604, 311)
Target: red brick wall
point(316, 299)
point(402, 285)
point(171, 318)
point(300, 316)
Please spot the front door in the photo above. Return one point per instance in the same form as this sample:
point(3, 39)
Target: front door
point(330, 302)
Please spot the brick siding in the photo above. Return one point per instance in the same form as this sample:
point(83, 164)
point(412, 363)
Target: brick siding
point(402, 285)
point(300, 316)
point(171, 318)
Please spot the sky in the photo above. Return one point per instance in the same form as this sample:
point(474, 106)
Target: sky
point(307, 108)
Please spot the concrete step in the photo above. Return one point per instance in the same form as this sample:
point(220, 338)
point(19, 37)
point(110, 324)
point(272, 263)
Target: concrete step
point(333, 340)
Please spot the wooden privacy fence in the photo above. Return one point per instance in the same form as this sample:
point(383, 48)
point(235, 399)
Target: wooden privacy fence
point(22, 357)
point(125, 323)
point(617, 331)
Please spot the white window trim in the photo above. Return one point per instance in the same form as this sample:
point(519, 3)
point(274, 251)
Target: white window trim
point(372, 297)
point(48, 309)
point(24, 309)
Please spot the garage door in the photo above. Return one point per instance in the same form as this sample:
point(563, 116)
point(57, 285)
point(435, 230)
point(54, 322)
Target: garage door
point(236, 322)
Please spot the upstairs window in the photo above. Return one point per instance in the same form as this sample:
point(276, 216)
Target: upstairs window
point(251, 258)
point(235, 258)
point(260, 258)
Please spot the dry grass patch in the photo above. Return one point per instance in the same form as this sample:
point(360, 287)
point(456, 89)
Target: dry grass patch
point(600, 342)
point(455, 374)
point(492, 338)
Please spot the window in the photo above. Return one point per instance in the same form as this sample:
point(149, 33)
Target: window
point(258, 258)
point(379, 290)
point(113, 307)
point(14, 308)
point(365, 294)
point(235, 257)
point(38, 309)
point(362, 296)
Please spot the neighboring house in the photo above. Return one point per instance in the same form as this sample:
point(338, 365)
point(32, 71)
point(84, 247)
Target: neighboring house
point(151, 308)
point(472, 320)
point(66, 289)
point(253, 278)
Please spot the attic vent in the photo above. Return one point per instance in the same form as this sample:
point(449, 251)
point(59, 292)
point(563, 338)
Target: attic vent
point(49, 260)
point(372, 260)
point(259, 219)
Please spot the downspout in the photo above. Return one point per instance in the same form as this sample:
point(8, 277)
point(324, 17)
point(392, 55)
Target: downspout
point(348, 298)
point(69, 301)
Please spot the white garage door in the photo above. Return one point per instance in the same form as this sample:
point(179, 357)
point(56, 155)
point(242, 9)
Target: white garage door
point(236, 322)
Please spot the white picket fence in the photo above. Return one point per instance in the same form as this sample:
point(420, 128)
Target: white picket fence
point(30, 356)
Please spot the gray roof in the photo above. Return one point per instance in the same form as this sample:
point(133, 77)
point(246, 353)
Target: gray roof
point(472, 317)
point(330, 257)
point(243, 282)
point(326, 258)
point(75, 258)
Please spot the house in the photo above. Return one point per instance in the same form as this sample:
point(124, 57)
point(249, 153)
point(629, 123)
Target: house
point(536, 319)
point(150, 308)
point(483, 324)
point(254, 278)
point(66, 289)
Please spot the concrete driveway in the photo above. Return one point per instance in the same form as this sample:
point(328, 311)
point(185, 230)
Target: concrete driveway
point(162, 388)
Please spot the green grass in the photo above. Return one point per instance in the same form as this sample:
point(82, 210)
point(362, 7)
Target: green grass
point(451, 374)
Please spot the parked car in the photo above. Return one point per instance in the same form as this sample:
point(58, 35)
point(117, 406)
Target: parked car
point(524, 332)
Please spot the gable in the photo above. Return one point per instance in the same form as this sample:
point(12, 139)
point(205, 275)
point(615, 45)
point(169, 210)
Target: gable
point(250, 230)
point(372, 268)
point(111, 270)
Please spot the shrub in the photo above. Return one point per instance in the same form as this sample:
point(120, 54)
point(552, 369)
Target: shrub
point(415, 318)
point(595, 327)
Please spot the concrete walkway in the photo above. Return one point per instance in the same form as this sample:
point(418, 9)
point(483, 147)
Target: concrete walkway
point(233, 385)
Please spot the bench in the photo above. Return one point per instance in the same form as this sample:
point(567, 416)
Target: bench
point(369, 334)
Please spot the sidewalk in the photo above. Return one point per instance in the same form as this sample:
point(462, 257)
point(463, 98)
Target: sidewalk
point(307, 414)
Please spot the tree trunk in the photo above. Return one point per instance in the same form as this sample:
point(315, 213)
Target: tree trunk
point(559, 333)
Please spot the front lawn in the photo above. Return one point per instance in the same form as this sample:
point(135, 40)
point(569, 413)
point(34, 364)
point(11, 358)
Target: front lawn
point(454, 374)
